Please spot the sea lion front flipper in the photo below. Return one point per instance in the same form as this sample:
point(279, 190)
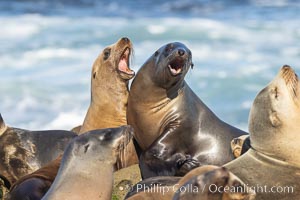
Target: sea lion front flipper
point(187, 165)
point(164, 160)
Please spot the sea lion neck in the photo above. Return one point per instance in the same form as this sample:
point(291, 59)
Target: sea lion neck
point(108, 105)
point(116, 91)
point(262, 157)
point(88, 179)
point(147, 85)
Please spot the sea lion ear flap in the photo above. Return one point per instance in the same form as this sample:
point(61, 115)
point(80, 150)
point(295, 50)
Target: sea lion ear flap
point(2, 125)
point(192, 65)
point(275, 121)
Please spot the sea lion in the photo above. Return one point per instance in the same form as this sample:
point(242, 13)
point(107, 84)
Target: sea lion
point(23, 151)
point(164, 187)
point(272, 165)
point(240, 145)
point(217, 184)
point(35, 185)
point(200, 183)
point(87, 166)
point(109, 94)
point(109, 87)
point(174, 128)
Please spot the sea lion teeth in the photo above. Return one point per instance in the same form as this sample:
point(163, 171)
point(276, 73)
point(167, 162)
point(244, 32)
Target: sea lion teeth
point(123, 65)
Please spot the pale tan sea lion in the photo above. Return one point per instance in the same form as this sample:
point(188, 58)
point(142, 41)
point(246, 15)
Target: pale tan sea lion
point(86, 170)
point(272, 165)
point(109, 94)
point(109, 87)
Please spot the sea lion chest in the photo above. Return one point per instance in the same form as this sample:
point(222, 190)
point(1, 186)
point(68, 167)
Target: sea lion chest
point(154, 118)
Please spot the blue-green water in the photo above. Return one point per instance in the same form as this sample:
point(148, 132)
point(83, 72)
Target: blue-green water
point(47, 49)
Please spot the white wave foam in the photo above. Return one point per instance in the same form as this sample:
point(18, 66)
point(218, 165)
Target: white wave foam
point(66, 120)
point(156, 29)
point(18, 31)
point(247, 105)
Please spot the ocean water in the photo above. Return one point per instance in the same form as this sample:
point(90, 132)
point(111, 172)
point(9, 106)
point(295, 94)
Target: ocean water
point(47, 49)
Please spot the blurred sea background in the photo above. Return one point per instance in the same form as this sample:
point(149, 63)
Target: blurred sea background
point(47, 49)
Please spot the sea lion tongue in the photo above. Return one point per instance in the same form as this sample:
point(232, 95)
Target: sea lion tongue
point(123, 66)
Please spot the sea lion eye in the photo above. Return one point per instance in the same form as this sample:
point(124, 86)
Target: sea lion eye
point(94, 75)
point(169, 48)
point(276, 92)
point(156, 53)
point(86, 147)
point(106, 54)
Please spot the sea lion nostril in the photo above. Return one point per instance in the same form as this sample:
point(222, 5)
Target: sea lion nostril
point(181, 52)
point(286, 67)
point(125, 39)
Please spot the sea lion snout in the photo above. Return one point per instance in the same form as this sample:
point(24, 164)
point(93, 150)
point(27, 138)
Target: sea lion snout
point(120, 136)
point(286, 67)
point(125, 39)
point(179, 58)
point(181, 52)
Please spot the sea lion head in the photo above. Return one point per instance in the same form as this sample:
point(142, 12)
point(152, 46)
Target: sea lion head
point(102, 145)
point(218, 183)
point(113, 63)
point(275, 115)
point(169, 64)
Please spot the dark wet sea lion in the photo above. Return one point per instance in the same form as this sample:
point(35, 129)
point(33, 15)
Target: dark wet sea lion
point(174, 128)
point(86, 170)
point(272, 165)
point(23, 151)
point(109, 94)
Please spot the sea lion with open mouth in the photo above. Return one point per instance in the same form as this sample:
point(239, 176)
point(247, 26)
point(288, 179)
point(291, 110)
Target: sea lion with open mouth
point(272, 165)
point(175, 130)
point(109, 87)
point(109, 94)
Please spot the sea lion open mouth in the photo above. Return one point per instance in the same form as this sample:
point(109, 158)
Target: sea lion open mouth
point(123, 65)
point(176, 66)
